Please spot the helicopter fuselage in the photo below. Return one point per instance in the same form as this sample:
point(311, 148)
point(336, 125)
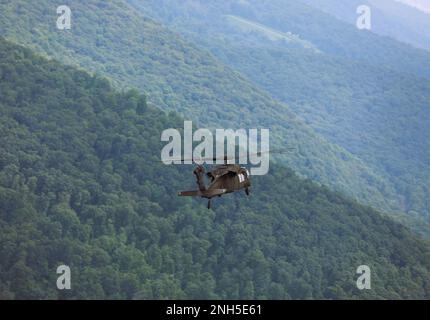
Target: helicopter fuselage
point(225, 179)
point(229, 177)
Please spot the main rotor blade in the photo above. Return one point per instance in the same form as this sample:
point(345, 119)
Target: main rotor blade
point(197, 159)
point(259, 153)
point(240, 156)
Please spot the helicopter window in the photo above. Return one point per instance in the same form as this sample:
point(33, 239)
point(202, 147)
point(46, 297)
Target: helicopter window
point(241, 178)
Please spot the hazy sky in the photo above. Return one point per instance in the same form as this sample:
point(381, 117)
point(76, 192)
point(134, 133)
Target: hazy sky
point(423, 5)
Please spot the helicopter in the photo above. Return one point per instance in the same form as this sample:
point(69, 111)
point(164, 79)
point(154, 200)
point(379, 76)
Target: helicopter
point(224, 179)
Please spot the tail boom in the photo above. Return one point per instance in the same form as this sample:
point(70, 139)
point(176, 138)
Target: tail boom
point(204, 194)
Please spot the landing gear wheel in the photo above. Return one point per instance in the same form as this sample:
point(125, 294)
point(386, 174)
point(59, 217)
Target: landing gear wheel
point(247, 191)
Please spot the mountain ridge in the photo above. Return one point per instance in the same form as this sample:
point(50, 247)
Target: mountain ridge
point(176, 75)
point(80, 185)
point(375, 109)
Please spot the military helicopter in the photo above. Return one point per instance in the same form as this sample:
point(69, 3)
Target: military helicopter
point(225, 178)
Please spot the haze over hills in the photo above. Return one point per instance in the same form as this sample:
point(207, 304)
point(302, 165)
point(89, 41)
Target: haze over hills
point(113, 39)
point(366, 93)
point(330, 35)
point(81, 185)
point(422, 5)
point(401, 20)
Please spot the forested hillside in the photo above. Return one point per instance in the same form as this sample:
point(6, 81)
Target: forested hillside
point(115, 40)
point(81, 184)
point(328, 34)
point(360, 91)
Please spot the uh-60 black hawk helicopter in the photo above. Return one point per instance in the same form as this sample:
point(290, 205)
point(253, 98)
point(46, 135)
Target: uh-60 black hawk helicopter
point(225, 178)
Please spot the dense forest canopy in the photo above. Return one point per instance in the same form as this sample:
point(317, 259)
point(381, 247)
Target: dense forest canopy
point(368, 94)
point(118, 41)
point(81, 184)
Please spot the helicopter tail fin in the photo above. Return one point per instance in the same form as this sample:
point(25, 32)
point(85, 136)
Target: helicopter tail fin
point(199, 172)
